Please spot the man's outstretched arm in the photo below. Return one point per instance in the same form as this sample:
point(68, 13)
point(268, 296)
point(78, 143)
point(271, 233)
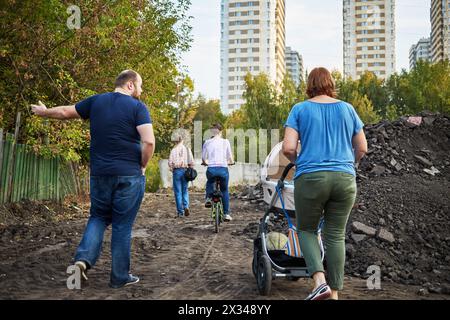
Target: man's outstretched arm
point(61, 113)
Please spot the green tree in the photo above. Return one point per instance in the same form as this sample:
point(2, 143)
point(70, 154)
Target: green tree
point(430, 87)
point(373, 87)
point(392, 113)
point(426, 87)
point(236, 120)
point(288, 97)
point(186, 108)
point(42, 59)
point(364, 108)
point(208, 112)
point(345, 87)
point(260, 106)
point(399, 92)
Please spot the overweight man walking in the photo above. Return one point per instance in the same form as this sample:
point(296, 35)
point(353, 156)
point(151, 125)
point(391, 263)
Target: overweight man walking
point(122, 143)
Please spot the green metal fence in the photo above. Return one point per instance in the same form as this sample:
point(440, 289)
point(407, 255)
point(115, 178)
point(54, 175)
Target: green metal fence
point(25, 175)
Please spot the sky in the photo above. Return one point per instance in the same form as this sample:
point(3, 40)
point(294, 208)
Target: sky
point(313, 28)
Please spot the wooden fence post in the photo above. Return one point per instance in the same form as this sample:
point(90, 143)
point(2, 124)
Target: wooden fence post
point(1, 164)
point(12, 157)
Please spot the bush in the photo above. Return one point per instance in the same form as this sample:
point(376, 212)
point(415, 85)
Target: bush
point(152, 175)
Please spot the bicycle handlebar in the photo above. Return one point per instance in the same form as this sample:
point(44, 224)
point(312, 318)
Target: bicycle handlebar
point(230, 164)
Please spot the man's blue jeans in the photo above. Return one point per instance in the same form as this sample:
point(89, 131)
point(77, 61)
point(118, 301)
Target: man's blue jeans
point(223, 175)
point(180, 189)
point(114, 200)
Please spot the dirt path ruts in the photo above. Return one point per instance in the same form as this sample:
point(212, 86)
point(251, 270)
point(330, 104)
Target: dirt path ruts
point(175, 259)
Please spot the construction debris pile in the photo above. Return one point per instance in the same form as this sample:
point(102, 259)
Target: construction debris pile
point(408, 145)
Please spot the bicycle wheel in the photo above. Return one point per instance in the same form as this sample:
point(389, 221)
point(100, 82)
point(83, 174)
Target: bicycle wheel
point(217, 217)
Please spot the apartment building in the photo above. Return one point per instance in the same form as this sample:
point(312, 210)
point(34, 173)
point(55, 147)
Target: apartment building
point(440, 30)
point(252, 40)
point(294, 65)
point(420, 51)
point(369, 37)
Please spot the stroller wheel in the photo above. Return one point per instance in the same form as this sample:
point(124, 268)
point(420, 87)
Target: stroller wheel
point(256, 257)
point(264, 276)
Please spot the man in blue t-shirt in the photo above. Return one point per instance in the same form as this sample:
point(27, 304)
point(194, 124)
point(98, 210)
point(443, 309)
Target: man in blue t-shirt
point(122, 143)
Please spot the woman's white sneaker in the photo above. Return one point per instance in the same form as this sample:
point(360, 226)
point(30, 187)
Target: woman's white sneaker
point(322, 292)
point(83, 269)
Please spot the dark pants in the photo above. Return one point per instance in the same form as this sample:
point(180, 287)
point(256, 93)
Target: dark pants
point(223, 175)
point(333, 195)
point(114, 200)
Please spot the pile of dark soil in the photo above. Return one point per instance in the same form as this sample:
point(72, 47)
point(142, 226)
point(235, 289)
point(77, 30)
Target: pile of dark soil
point(402, 147)
point(29, 213)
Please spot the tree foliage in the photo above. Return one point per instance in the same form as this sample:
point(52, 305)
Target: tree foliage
point(208, 112)
point(266, 107)
point(426, 87)
point(42, 59)
point(364, 107)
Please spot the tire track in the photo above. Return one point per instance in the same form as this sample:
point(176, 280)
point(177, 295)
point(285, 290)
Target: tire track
point(194, 273)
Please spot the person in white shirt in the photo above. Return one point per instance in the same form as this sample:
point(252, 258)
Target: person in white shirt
point(216, 154)
point(179, 160)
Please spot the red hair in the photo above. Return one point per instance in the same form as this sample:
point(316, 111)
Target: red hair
point(320, 82)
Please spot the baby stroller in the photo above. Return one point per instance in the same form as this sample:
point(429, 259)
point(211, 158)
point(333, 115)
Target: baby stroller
point(271, 264)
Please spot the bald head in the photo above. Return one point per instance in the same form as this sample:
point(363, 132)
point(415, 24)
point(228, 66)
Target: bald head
point(129, 81)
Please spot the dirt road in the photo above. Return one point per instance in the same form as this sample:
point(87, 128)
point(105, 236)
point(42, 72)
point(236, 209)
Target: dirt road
point(175, 259)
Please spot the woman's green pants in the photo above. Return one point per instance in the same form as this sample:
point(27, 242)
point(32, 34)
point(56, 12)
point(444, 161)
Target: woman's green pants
point(331, 194)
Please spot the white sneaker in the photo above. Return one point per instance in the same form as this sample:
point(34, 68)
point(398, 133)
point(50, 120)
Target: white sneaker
point(228, 217)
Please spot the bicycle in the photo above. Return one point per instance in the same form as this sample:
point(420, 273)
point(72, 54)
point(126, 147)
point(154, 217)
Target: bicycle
point(217, 207)
point(217, 213)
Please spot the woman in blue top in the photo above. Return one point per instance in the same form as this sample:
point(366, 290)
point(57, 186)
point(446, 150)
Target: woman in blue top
point(332, 139)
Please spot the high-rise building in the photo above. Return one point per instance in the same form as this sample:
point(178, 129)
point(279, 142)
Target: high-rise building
point(419, 51)
point(294, 65)
point(440, 30)
point(369, 37)
point(252, 40)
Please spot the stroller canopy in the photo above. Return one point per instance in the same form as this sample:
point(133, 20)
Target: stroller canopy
point(271, 172)
point(275, 163)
